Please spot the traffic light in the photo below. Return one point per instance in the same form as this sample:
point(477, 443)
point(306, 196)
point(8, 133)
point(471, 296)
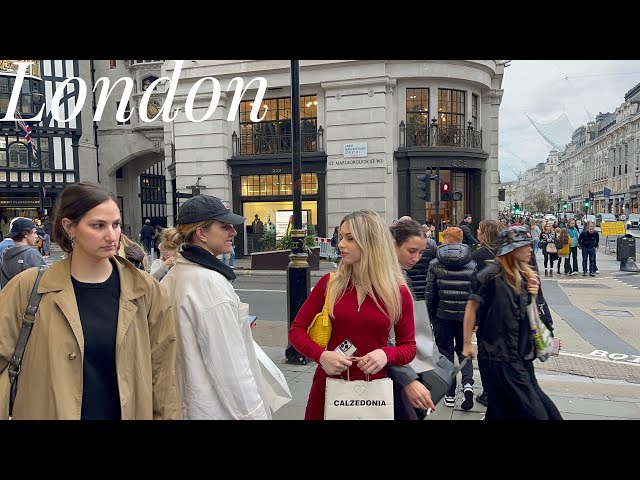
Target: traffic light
point(445, 194)
point(564, 205)
point(516, 208)
point(424, 185)
point(587, 203)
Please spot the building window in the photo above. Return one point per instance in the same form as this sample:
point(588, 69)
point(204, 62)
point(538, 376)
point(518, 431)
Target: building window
point(451, 107)
point(127, 112)
point(43, 144)
point(275, 185)
point(474, 111)
point(18, 155)
point(417, 129)
point(273, 133)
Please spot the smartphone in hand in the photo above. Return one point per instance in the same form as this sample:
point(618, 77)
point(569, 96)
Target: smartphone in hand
point(252, 320)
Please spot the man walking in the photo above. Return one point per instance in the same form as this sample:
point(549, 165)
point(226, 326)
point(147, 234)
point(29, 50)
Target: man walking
point(146, 236)
point(589, 241)
point(21, 255)
point(448, 283)
point(468, 238)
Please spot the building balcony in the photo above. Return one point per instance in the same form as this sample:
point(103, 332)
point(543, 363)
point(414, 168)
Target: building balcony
point(270, 138)
point(414, 136)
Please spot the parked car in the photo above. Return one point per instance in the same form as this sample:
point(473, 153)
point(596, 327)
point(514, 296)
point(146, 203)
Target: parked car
point(604, 217)
point(589, 218)
point(633, 221)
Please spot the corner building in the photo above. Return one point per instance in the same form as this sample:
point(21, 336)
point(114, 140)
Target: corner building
point(369, 128)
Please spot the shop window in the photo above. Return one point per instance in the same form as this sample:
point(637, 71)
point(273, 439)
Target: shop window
point(276, 185)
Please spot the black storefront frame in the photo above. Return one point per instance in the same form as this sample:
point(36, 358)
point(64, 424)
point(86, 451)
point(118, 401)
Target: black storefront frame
point(241, 165)
point(412, 163)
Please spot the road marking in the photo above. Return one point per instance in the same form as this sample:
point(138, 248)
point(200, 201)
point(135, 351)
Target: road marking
point(604, 358)
point(258, 290)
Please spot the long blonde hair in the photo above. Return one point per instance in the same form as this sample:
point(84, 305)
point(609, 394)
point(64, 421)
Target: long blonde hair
point(514, 270)
point(380, 272)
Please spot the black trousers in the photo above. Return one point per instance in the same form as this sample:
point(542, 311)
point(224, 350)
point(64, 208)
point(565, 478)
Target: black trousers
point(514, 393)
point(449, 339)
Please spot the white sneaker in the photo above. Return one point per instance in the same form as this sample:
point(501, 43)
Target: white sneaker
point(449, 401)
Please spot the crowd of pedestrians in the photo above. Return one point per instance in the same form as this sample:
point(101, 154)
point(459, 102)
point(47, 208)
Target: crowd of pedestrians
point(155, 329)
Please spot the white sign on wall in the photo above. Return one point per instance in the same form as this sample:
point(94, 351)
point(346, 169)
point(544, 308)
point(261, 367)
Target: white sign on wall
point(354, 150)
point(343, 163)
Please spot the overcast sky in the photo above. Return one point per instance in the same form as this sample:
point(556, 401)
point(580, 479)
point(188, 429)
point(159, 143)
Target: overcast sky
point(544, 89)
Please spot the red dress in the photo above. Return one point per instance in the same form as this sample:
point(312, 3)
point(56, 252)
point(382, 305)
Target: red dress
point(368, 330)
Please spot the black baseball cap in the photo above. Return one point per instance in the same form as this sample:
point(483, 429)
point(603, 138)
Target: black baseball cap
point(205, 207)
point(19, 226)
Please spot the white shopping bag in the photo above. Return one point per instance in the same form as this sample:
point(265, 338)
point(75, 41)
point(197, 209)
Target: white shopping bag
point(358, 399)
point(276, 383)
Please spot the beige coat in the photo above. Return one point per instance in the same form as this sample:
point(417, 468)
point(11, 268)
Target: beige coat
point(50, 382)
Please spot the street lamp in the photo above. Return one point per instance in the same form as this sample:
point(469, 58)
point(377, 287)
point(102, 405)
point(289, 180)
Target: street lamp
point(298, 277)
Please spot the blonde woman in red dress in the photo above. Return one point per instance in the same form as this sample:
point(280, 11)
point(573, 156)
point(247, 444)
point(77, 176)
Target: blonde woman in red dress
point(367, 296)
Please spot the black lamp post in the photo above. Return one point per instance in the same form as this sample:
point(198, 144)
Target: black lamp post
point(36, 99)
point(298, 278)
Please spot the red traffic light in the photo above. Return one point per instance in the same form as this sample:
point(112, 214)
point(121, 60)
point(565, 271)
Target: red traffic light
point(445, 186)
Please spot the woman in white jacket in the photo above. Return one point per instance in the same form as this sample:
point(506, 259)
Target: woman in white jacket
point(218, 371)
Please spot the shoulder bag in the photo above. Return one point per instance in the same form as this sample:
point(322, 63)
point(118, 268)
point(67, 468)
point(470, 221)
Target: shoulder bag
point(28, 319)
point(320, 328)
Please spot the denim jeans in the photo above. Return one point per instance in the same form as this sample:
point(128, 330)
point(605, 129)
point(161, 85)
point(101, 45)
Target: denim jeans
point(228, 258)
point(536, 241)
point(589, 253)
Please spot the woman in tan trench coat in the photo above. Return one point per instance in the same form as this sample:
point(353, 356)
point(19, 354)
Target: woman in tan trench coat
point(103, 345)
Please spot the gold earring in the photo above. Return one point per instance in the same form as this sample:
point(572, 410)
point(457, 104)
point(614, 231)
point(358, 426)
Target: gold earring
point(71, 240)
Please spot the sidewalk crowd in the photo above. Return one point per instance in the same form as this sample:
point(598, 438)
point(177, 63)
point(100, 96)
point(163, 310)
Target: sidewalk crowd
point(186, 344)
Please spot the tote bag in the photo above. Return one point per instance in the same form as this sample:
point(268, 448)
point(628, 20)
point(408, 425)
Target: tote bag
point(358, 399)
point(542, 336)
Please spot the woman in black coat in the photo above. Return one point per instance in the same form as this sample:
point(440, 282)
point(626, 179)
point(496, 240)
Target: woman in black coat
point(498, 300)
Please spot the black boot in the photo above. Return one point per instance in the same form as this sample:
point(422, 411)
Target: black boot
point(483, 399)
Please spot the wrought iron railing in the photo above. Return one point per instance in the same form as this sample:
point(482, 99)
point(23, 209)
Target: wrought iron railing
point(434, 135)
point(267, 138)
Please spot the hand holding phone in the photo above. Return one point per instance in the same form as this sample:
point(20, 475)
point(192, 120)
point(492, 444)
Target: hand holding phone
point(252, 320)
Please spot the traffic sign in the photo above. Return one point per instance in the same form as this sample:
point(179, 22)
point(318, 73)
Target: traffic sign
point(612, 228)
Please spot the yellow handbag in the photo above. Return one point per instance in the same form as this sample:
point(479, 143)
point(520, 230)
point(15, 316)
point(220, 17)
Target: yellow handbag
point(320, 328)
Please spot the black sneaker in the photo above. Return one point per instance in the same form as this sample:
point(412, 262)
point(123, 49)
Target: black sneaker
point(483, 399)
point(467, 403)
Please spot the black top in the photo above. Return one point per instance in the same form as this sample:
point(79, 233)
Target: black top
point(482, 255)
point(98, 305)
point(503, 332)
point(418, 274)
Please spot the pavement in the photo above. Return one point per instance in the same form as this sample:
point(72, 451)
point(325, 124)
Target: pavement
point(583, 386)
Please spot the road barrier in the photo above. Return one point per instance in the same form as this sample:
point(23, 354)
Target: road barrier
point(326, 250)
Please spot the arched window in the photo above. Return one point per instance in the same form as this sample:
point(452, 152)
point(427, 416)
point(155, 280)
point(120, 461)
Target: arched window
point(18, 155)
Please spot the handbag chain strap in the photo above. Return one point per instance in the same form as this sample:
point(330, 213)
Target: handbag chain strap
point(28, 319)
